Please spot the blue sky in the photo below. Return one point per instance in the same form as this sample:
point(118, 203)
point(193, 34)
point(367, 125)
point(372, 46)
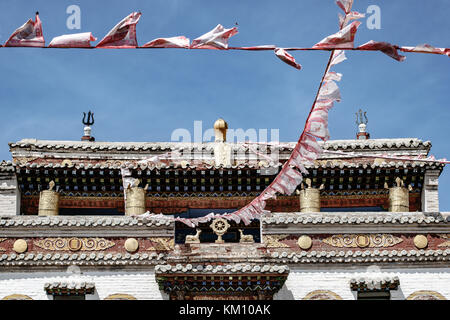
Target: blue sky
point(143, 95)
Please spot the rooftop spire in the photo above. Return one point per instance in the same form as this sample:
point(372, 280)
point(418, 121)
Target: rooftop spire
point(87, 126)
point(362, 125)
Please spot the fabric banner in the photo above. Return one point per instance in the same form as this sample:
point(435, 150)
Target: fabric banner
point(333, 76)
point(354, 15)
point(174, 42)
point(329, 91)
point(426, 48)
point(340, 40)
point(338, 57)
point(28, 35)
point(217, 38)
point(345, 5)
point(77, 40)
point(123, 35)
point(384, 47)
point(287, 58)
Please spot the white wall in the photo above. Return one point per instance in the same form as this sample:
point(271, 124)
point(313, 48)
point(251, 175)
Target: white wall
point(9, 195)
point(303, 281)
point(141, 285)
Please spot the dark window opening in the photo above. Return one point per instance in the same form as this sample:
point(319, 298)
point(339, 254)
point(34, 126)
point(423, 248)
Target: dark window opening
point(374, 295)
point(70, 297)
point(90, 212)
point(353, 209)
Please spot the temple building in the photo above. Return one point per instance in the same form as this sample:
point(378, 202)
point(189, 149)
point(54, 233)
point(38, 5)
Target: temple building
point(364, 224)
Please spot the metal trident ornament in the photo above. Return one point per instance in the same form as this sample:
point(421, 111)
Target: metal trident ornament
point(359, 117)
point(90, 118)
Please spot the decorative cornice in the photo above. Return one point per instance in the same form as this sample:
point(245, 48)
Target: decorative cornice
point(74, 244)
point(294, 218)
point(82, 221)
point(369, 284)
point(82, 259)
point(7, 166)
point(69, 288)
point(371, 144)
point(239, 268)
point(358, 256)
point(362, 240)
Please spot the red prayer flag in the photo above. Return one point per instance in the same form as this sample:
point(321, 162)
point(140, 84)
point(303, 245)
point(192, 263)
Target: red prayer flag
point(217, 38)
point(340, 40)
point(174, 42)
point(384, 47)
point(426, 48)
point(77, 40)
point(123, 35)
point(28, 35)
point(287, 58)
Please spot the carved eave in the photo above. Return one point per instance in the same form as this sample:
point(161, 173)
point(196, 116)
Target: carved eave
point(98, 226)
point(69, 288)
point(7, 167)
point(370, 284)
point(354, 222)
point(234, 279)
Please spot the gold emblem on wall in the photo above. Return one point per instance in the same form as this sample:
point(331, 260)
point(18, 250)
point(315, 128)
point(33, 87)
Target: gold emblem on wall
point(273, 241)
point(304, 242)
point(23, 160)
point(74, 244)
point(362, 240)
point(20, 246)
point(162, 244)
point(66, 162)
point(446, 237)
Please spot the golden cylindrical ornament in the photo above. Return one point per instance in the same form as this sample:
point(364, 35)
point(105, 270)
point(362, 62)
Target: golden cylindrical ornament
point(398, 199)
point(310, 200)
point(48, 203)
point(135, 203)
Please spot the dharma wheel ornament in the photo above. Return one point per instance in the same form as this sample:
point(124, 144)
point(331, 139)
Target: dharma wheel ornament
point(309, 197)
point(220, 227)
point(135, 203)
point(49, 201)
point(398, 196)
